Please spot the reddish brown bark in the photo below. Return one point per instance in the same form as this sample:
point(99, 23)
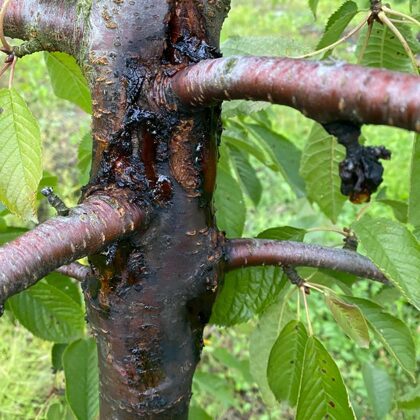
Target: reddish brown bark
point(77, 271)
point(151, 292)
point(323, 91)
point(253, 252)
point(61, 240)
point(48, 25)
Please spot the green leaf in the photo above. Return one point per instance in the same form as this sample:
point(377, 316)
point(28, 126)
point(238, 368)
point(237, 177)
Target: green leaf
point(231, 361)
point(229, 203)
point(68, 286)
point(20, 157)
point(313, 4)
point(67, 80)
point(80, 361)
point(57, 355)
point(197, 413)
point(49, 313)
point(395, 251)
point(322, 391)
point(380, 389)
point(284, 368)
point(85, 158)
point(336, 25)
point(248, 146)
point(391, 331)
point(284, 153)
point(283, 233)
point(414, 198)
point(262, 340)
point(385, 50)
point(58, 411)
point(319, 168)
point(251, 290)
point(216, 386)
point(246, 292)
point(246, 174)
point(350, 319)
point(399, 208)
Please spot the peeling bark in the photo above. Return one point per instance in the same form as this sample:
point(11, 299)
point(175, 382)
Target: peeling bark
point(322, 91)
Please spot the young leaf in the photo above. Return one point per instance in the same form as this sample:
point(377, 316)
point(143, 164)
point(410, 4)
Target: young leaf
point(229, 203)
point(319, 168)
point(395, 251)
point(384, 48)
point(380, 389)
point(67, 80)
point(336, 25)
point(20, 157)
point(322, 392)
point(261, 341)
point(313, 4)
point(197, 413)
point(80, 361)
point(350, 319)
point(49, 313)
point(414, 198)
point(284, 368)
point(391, 331)
point(284, 153)
point(246, 174)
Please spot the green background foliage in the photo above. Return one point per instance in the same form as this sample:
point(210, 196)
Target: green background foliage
point(277, 179)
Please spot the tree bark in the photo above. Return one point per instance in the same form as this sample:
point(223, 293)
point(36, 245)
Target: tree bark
point(152, 291)
point(322, 91)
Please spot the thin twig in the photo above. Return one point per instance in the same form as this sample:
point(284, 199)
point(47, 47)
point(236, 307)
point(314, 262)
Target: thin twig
point(3, 39)
point(76, 271)
point(384, 19)
point(340, 41)
point(400, 14)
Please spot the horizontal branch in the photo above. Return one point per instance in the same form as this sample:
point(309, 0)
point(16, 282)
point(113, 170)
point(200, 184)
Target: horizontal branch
point(322, 91)
point(88, 228)
point(48, 25)
point(76, 271)
point(256, 252)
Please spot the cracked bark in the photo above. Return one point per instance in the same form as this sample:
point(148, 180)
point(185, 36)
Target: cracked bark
point(152, 291)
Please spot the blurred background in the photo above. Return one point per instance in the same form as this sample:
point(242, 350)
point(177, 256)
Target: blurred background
point(223, 385)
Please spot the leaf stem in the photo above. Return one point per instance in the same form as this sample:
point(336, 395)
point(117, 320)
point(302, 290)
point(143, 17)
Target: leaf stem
point(12, 71)
point(399, 14)
point(327, 229)
point(340, 41)
point(308, 318)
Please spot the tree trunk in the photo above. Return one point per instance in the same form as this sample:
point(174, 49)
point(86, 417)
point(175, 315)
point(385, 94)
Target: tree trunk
point(153, 293)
